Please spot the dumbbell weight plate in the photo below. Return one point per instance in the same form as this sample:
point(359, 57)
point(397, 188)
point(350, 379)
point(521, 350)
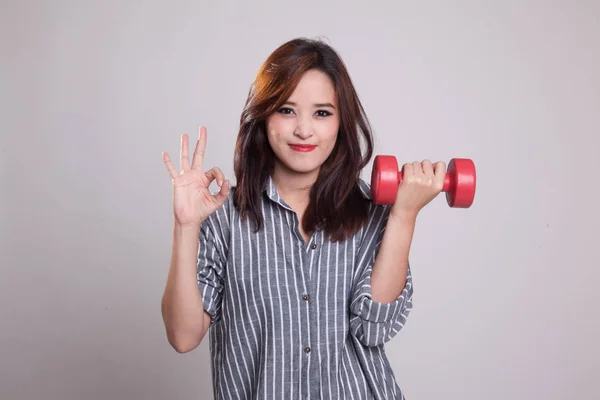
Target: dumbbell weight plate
point(462, 171)
point(384, 179)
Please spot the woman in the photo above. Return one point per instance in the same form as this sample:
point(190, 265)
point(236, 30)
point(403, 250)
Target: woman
point(302, 278)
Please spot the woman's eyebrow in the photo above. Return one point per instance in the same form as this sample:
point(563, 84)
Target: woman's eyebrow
point(291, 103)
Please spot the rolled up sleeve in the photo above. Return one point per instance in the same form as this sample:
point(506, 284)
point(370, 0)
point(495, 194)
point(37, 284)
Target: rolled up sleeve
point(210, 269)
point(371, 322)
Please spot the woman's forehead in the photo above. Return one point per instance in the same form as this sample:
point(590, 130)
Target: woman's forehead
point(314, 88)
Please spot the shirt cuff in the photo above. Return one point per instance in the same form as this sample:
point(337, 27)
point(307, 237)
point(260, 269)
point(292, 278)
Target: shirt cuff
point(369, 310)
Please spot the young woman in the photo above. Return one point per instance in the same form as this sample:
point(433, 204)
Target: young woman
point(300, 277)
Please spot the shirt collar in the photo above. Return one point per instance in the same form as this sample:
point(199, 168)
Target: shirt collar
point(272, 193)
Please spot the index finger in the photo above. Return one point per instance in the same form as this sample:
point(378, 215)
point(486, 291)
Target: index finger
point(198, 158)
point(440, 169)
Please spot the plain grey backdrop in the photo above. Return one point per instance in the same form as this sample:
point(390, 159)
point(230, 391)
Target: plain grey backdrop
point(506, 299)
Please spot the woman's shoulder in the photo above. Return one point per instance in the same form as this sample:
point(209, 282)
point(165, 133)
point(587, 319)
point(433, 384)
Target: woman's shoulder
point(365, 190)
point(377, 213)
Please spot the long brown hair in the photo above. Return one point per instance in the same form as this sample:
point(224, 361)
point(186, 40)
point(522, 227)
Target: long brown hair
point(336, 203)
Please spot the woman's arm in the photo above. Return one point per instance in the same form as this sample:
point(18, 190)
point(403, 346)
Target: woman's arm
point(388, 277)
point(422, 182)
point(382, 297)
point(376, 317)
point(185, 320)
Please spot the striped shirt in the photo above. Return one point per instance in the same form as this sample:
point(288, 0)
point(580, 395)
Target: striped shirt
point(295, 320)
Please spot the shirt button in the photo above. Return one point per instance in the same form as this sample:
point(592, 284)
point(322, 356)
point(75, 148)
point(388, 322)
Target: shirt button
point(314, 246)
point(307, 350)
point(305, 297)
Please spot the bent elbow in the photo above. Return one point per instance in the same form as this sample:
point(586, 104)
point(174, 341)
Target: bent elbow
point(183, 348)
point(184, 341)
point(185, 337)
point(183, 345)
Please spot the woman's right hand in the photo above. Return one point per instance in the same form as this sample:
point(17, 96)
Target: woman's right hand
point(192, 201)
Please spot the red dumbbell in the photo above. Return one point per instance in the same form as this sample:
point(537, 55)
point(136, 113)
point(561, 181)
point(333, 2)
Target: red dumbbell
point(459, 183)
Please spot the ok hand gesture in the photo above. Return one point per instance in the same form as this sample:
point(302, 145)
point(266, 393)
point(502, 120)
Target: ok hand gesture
point(192, 201)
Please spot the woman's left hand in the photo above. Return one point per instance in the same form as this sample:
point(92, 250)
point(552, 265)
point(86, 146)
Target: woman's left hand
point(421, 183)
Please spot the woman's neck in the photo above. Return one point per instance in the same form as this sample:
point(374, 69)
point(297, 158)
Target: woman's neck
point(294, 187)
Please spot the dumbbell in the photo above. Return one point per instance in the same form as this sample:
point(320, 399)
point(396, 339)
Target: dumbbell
point(459, 182)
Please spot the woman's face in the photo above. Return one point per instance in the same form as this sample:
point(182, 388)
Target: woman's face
point(303, 132)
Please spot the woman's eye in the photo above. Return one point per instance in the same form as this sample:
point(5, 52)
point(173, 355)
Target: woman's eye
point(285, 110)
point(288, 111)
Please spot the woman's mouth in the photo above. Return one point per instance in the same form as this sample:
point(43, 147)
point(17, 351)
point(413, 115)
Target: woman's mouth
point(303, 147)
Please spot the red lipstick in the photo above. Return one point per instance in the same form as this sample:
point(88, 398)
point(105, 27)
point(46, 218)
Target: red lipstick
point(303, 147)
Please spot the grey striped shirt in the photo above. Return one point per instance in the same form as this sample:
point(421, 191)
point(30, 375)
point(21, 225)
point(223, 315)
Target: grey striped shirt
point(292, 320)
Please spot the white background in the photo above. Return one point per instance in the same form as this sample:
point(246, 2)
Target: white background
point(91, 93)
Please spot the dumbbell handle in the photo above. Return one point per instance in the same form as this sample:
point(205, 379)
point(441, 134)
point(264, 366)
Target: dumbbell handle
point(448, 181)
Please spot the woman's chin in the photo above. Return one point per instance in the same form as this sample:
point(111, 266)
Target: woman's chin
point(300, 168)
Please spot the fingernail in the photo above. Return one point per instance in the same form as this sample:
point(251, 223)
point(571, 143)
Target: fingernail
point(220, 183)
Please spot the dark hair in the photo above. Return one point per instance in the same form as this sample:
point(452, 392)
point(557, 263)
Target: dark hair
point(336, 202)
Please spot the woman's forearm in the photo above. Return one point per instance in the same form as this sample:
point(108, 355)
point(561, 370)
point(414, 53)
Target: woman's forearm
point(388, 277)
point(182, 310)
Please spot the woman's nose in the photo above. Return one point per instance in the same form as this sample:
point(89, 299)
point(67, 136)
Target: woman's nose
point(303, 129)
